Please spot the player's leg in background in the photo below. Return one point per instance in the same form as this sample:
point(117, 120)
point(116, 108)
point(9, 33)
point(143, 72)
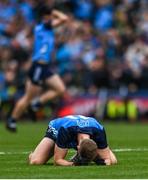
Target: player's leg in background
point(43, 152)
point(107, 155)
point(56, 89)
point(30, 92)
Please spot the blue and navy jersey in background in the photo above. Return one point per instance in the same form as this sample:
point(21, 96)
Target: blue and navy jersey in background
point(43, 44)
point(64, 131)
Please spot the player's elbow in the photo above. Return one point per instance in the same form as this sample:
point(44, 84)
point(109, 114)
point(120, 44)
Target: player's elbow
point(60, 162)
point(65, 19)
point(57, 162)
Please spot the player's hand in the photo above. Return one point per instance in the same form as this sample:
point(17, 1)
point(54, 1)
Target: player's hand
point(99, 161)
point(79, 161)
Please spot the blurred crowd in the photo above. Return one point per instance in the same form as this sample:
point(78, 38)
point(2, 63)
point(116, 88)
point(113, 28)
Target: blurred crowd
point(104, 44)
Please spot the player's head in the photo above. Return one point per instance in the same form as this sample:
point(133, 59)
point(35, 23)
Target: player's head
point(45, 10)
point(45, 13)
point(88, 149)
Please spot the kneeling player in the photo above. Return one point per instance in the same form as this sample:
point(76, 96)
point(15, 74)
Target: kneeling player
point(85, 134)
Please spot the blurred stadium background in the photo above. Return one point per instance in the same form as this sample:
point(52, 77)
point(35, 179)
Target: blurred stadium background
point(101, 54)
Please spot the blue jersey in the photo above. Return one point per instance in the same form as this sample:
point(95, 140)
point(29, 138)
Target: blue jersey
point(43, 44)
point(64, 131)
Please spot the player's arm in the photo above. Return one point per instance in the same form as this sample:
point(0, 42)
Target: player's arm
point(59, 18)
point(59, 155)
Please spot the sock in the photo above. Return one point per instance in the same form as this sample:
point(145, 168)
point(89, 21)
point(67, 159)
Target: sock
point(11, 120)
point(36, 104)
point(11, 123)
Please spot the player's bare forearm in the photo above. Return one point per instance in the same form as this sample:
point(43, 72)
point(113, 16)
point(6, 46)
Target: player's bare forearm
point(63, 162)
point(59, 157)
point(60, 15)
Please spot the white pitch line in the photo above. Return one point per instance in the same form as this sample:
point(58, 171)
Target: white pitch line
point(115, 150)
point(13, 153)
point(131, 150)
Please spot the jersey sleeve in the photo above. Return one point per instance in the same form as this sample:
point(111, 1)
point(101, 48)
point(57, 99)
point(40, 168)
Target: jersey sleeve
point(100, 139)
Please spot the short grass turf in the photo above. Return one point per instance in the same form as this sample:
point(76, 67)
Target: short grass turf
point(14, 149)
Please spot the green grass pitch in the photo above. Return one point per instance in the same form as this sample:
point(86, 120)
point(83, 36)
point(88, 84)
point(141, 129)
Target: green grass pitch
point(129, 142)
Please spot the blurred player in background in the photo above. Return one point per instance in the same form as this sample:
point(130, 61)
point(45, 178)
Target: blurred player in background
point(85, 134)
point(40, 74)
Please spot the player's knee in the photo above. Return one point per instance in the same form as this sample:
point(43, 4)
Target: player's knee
point(62, 90)
point(34, 160)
